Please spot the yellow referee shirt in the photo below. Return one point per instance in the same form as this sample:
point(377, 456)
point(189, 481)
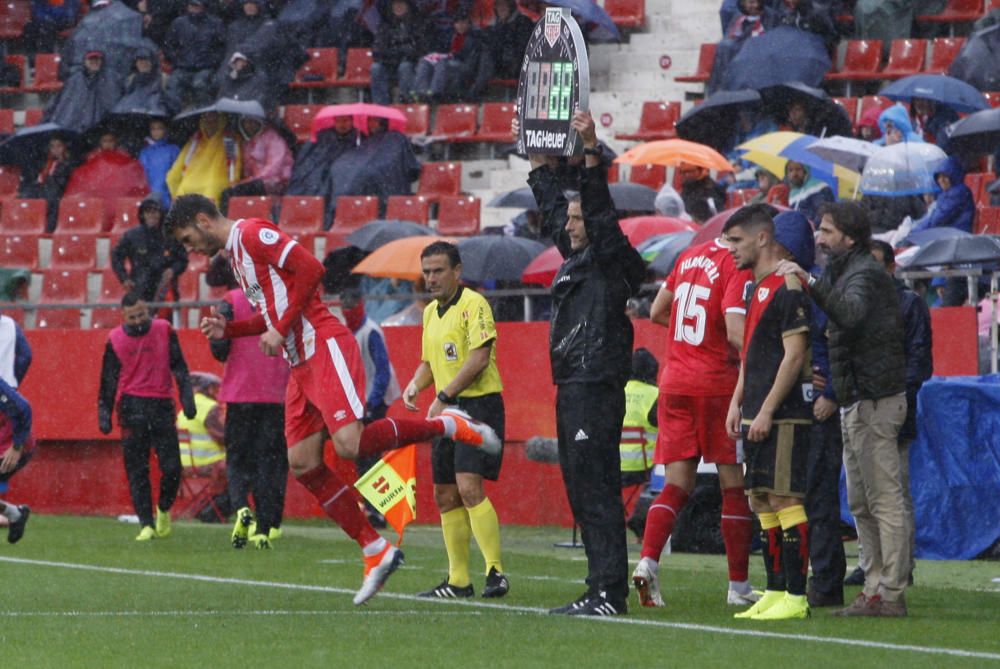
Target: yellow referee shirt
point(465, 324)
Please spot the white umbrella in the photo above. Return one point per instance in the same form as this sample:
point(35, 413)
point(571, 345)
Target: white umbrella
point(844, 151)
point(902, 169)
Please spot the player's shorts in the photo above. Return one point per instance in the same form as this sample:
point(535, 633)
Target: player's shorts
point(449, 457)
point(326, 391)
point(779, 464)
point(693, 427)
point(26, 455)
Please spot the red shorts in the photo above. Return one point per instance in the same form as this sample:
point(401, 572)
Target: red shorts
point(327, 390)
point(693, 427)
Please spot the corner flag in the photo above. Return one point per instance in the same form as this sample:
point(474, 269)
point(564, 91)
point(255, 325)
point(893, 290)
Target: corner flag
point(391, 487)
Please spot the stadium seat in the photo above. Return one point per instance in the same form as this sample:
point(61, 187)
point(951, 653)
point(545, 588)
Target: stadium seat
point(23, 216)
point(10, 179)
point(458, 216)
point(869, 101)
point(613, 173)
point(455, 123)
point(301, 213)
point(496, 122)
point(112, 290)
point(197, 262)
point(740, 197)
point(850, 105)
point(252, 207)
point(418, 118)
point(353, 211)
point(81, 214)
point(46, 78)
point(17, 61)
point(437, 179)
point(320, 71)
point(906, 58)
point(334, 240)
point(943, 51)
point(987, 221)
point(189, 287)
point(977, 183)
point(299, 120)
point(861, 62)
point(124, 215)
point(71, 250)
point(33, 116)
point(19, 251)
point(357, 68)
point(656, 122)
point(626, 13)
point(415, 208)
point(653, 176)
point(14, 16)
point(6, 121)
point(956, 11)
point(105, 318)
point(62, 286)
point(481, 13)
point(993, 97)
point(706, 58)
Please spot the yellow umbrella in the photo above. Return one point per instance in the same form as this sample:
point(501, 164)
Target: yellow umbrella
point(399, 259)
point(773, 151)
point(673, 152)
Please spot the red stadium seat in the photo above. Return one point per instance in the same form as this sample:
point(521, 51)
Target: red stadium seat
point(81, 214)
point(987, 221)
point(23, 216)
point(656, 122)
point(943, 51)
point(10, 179)
point(740, 197)
point(252, 207)
point(458, 216)
point(334, 240)
point(977, 183)
point(320, 71)
point(357, 68)
point(299, 120)
point(112, 290)
point(626, 13)
point(418, 118)
point(105, 318)
point(869, 101)
point(124, 214)
point(706, 58)
point(653, 176)
point(455, 123)
point(414, 208)
point(72, 250)
point(437, 179)
point(46, 74)
point(353, 211)
point(33, 116)
point(906, 58)
point(481, 13)
point(496, 122)
point(14, 15)
point(993, 97)
point(956, 11)
point(301, 213)
point(62, 286)
point(17, 61)
point(850, 105)
point(189, 287)
point(19, 251)
point(197, 262)
point(6, 121)
point(861, 61)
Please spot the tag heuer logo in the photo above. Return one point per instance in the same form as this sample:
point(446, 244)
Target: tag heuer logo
point(762, 294)
point(553, 19)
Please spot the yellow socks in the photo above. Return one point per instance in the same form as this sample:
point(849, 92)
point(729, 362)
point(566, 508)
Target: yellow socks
point(768, 520)
point(457, 532)
point(486, 528)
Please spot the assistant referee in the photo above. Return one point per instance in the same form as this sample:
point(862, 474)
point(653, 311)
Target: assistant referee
point(459, 358)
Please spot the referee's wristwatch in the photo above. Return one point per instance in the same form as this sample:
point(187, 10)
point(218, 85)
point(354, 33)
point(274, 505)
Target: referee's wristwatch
point(445, 398)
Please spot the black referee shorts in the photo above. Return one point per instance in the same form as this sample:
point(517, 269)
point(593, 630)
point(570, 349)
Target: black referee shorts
point(449, 457)
point(779, 465)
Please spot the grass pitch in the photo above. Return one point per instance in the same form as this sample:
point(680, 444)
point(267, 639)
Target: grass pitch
point(79, 592)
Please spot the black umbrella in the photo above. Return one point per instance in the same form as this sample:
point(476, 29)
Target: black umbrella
point(826, 117)
point(497, 257)
point(626, 196)
point(228, 106)
point(976, 134)
point(30, 145)
point(376, 233)
point(971, 250)
point(709, 122)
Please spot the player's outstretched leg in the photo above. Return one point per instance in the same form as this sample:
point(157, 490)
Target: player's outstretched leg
point(660, 521)
point(391, 433)
point(18, 517)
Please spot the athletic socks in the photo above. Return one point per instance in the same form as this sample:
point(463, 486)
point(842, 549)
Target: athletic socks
point(737, 531)
point(795, 547)
point(486, 529)
point(770, 537)
point(374, 548)
point(457, 530)
point(388, 434)
point(11, 512)
point(660, 520)
point(340, 503)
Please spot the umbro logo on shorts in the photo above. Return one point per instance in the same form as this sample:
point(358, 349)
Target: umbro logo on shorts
point(581, 435)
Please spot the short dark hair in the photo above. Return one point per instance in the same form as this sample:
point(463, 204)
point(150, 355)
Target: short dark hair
point(752, 216)
point(185, 209)
point(130, 299)
point(850, 218)
point(888, 255)
point(441, 248)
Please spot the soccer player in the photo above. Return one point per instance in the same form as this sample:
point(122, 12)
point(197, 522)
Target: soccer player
point(701, 304)
point(326, 385)
point(772, 410)
point(16, 448)
point(459, 357)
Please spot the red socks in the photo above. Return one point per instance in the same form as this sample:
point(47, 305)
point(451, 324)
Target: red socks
point(388, 434)
point(660, 520)
point(340, 502)
point(737, 531)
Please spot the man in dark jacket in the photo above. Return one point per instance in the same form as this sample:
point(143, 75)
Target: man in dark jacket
point(703, 198)
point(399, 43)
point(243, 81)
point(452, 75)
point(155, 261)
point(590, 347)
point(868, 365)
point(194, 45)
point(507, 39)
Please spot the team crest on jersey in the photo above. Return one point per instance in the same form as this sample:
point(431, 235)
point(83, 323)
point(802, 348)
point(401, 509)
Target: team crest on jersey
point(762, 294)
point(450, 351)
point(268, 236)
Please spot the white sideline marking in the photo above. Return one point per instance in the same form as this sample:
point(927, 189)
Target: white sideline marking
point(205, 614)
point(927, 650)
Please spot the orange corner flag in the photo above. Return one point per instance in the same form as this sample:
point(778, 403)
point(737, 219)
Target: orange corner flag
point(391, 487)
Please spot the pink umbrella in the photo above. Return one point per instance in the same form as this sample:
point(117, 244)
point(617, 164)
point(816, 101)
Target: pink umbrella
point(713, 226)
point(640, 228)
point(360, 112)
point(542, 270)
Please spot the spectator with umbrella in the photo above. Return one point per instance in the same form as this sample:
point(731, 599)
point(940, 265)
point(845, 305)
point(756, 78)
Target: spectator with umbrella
point(702, 196)
point(267, 161)
point(209, 162)
point(895, 125)
point(806, 193)
point(754, 18)
point(108, 173)
point(955, 207)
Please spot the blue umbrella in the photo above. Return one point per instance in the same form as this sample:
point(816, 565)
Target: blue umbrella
point(948, 91)
point(922, 237)
point(819, 168)
point(778, 56)
point(601, 28)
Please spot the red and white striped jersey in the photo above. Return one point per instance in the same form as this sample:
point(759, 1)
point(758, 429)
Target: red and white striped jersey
point(258, 250)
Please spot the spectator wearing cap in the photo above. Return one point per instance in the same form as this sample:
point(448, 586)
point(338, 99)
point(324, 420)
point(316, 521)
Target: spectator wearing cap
point(195, 46)
point(157, 156)
point(145, 260)
point(86, 97)
point(399, 44)
point(451, 75)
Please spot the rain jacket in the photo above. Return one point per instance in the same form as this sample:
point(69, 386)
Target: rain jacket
point(590, 337)
point(247, 84)
point(157, 157)
point(399, 40)
point(955, 207)
point(195, 42)
point(267, 157)
point(85, 99)
point(809, 196)
point(108, 175)
point(145, 92)
point(206, 165)
point(149, 253)
point(115, 30)
point(384, 164)
point(507, 41)
point(917, 346)
point(900, 119)
point(311, 170)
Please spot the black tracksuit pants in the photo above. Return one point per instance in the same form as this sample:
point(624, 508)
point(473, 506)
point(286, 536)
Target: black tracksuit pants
point(826, 546)
point(257, 459)
point(589, 425)
point(150, 423)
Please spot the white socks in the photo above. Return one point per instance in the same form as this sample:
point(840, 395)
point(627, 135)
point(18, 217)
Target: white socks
point(11, 511)
point(374, 548)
